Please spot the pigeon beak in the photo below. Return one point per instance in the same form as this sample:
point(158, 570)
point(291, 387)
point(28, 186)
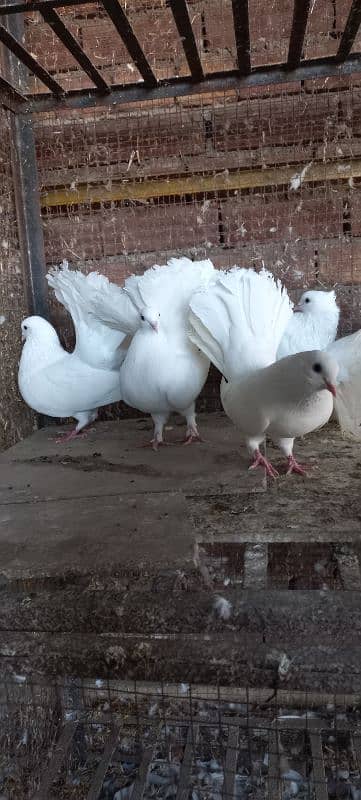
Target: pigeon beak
point(155, 327)
point(331, 388)
point(23, 337)
point(297, 310)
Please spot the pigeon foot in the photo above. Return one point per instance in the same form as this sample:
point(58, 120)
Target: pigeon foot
point(294, 466)
point(192, 435)
point(69, 436)
point(261, 461)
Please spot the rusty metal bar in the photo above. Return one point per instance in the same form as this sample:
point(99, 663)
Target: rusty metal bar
point(26, 185)
point(99, 776)
point(27, 59)
point(318, 767)
point(230, 767)
point(241, 31)
point(125, 30)
point(58, 757)
point(185, 30)
point(37, 5)
point(180, 87)
point(299, 25)
point(56, 23)
point(350, 32)
point(10, 97)
point(184, 776)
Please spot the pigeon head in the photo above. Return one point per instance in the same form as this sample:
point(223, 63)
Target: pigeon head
point(149, 317)
point(320, 370)
point(316, 303)
point(37, 328)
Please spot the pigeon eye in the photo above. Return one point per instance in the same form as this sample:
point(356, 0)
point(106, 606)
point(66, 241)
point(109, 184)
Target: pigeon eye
point(317, 368)
point(307, 300)
point(142, 317)
point(25, 327)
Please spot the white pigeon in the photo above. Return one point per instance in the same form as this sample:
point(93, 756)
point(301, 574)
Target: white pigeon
point(61, 384)
point(313, 325)
point(162, 371)
point(238, 322)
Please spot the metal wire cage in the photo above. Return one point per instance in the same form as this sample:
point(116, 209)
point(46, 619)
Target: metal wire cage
point(98, 739)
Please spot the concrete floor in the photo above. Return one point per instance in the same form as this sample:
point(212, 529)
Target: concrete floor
point(111, 557)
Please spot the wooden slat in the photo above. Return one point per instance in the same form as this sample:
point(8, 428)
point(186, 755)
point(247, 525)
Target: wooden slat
point(255, 566)
point(318, 767)
point(99, 776)
point(349, 568)
point(185, 30)
point(350, 32)
point(57, 760)
point(230, 766)
point(241, 32)
point(356, 739)
point(142, 774)
point(299, 25)
point(66, 37)
point(273, 780)
point(239, 179)
point(184, 777)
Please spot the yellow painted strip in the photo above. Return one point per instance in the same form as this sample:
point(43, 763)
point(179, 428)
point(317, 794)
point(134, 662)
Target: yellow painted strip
point(198, 184)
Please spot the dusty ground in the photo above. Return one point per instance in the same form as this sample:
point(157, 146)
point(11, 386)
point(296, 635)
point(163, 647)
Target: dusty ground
point(112, 555)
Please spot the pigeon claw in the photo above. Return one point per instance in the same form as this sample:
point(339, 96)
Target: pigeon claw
point(192, 436)
point(68, 437)
point(261, 461)
point(294, 466)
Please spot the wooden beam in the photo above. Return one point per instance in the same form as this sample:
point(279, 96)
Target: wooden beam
point(200, 184)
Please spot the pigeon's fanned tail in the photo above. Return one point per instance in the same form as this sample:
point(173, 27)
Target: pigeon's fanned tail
point(238, 321)
point(95, 343)
point(347, 406)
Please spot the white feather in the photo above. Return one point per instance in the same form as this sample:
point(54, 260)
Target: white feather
point(162, 370)
point(347, 404)
point(60, 384)
point(96, 344)
point(239, 320)
point(314, 326)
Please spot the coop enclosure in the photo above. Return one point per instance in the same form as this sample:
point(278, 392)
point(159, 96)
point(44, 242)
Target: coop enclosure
point(136, 131)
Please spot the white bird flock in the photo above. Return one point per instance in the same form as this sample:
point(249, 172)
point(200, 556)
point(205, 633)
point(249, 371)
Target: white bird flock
point(150, 344)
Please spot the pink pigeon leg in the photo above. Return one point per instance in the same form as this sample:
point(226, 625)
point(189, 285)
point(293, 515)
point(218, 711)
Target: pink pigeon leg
point(192, 433)
point(261, 461)
point(294, 466)
point(74, 434)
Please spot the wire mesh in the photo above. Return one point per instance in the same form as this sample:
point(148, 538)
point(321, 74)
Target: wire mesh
point(107, 740)
point(237, 177)
point(269, 175)
point(15, 419)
